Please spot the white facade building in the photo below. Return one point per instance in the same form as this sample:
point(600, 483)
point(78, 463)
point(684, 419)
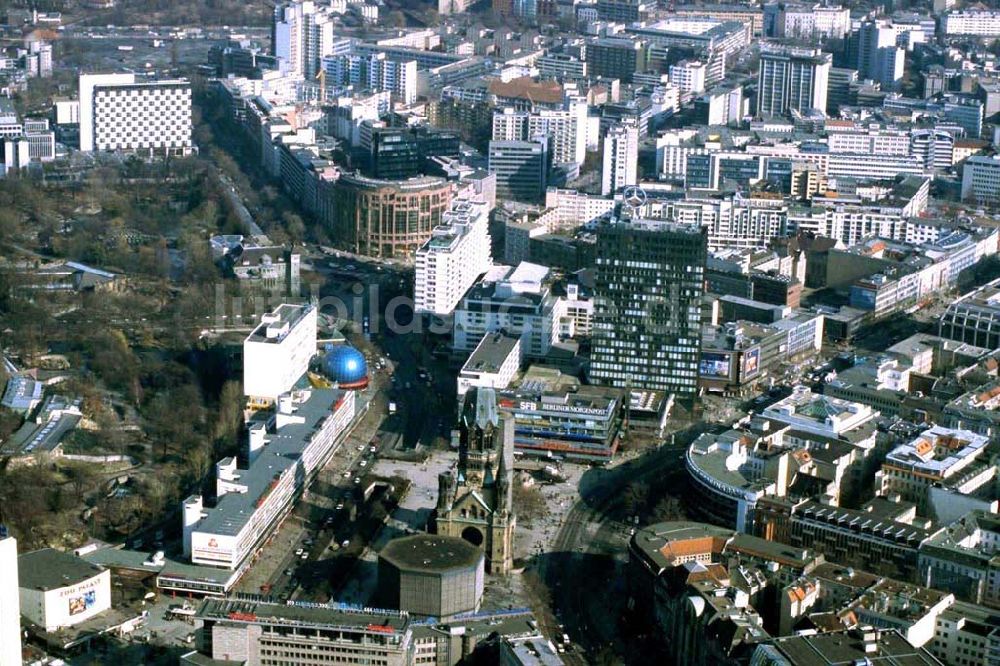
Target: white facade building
point(302, 33)
point(792, 79)
point(573, 208)
point(374, 71)
point(308, 428)
point(979, 23)
point(58, 589)
point(812, 21)
point(453, 258)
point(277, 353)
point(981, 180)
point(493, 364)
point(10, 605)
point(621, 157)
point(937, 455)
point(566, 127)
point(689, 76)
point(516, 300)
point(120, 113)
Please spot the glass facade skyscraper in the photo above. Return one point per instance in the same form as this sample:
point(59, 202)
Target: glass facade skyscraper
point(650, 279)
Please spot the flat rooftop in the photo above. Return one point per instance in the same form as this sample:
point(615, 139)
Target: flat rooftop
point(491, 353)
point(938, 449)
point(376, 622)
point(282, 451)
point(51, 569)
point(275, 325)
point(848, 647)
point(431, 553)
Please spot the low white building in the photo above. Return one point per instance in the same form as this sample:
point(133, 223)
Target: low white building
point(493, 364)
point(453, 258)
point(978, 23)
point(819, 414)
point(277, 353)
point(58, 589)
point(10, 602)
point(308, 427)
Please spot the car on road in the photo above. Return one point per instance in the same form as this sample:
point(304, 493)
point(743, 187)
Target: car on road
point(363, 463)
point(347, 474)
point(289, 572)
point(345, 543)
point(298, 552)
point(340, 507)
point(373, 448)
point(304, 556)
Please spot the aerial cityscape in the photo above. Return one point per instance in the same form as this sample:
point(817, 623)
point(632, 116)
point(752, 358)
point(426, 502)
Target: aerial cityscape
point(499, 333)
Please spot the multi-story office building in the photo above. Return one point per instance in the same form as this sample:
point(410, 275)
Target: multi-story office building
point(962, 558)
point(566, 129)
point(561, 66)
point(615, 58)
point(715, 40)
point(453, 258)
point(373, 71)
point(944, 457)
point(689, 76)
point(277, 353)
point(446, 7)
point(878, 56)
point(301, 34)
point(553, 419)
point(978, 23)
point(806, 21)
point(250, 503)
point(493, 364)
point(792, 79)
point(981, 180)
point(623, 11)
point(647, 322)
point(396, 153)
point(856, 538)
point(258, 633)
point(620, 159)
point(387, 218)
point(738, 13)
point(721, 105)
point(974, 318)
point(10, 606)
point(517, 300)
point(521, 168)
point(122, 114)
point(967, 635)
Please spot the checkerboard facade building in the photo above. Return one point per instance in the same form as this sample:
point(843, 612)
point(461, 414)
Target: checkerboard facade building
point(120, 114)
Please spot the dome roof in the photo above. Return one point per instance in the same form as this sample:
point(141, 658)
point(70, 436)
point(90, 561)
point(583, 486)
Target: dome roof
point(346, 366)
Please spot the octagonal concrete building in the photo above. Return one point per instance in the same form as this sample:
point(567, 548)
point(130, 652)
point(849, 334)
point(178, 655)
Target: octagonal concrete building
point(433, 575)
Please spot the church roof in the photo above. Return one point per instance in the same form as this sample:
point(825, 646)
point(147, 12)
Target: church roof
point(481, 407)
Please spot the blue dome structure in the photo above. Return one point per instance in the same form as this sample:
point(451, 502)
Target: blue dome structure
point(346, 366)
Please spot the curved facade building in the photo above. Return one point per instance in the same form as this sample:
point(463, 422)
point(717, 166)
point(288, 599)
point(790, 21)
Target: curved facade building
point(387, 218)
point(721, 493)
point(346, 366)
